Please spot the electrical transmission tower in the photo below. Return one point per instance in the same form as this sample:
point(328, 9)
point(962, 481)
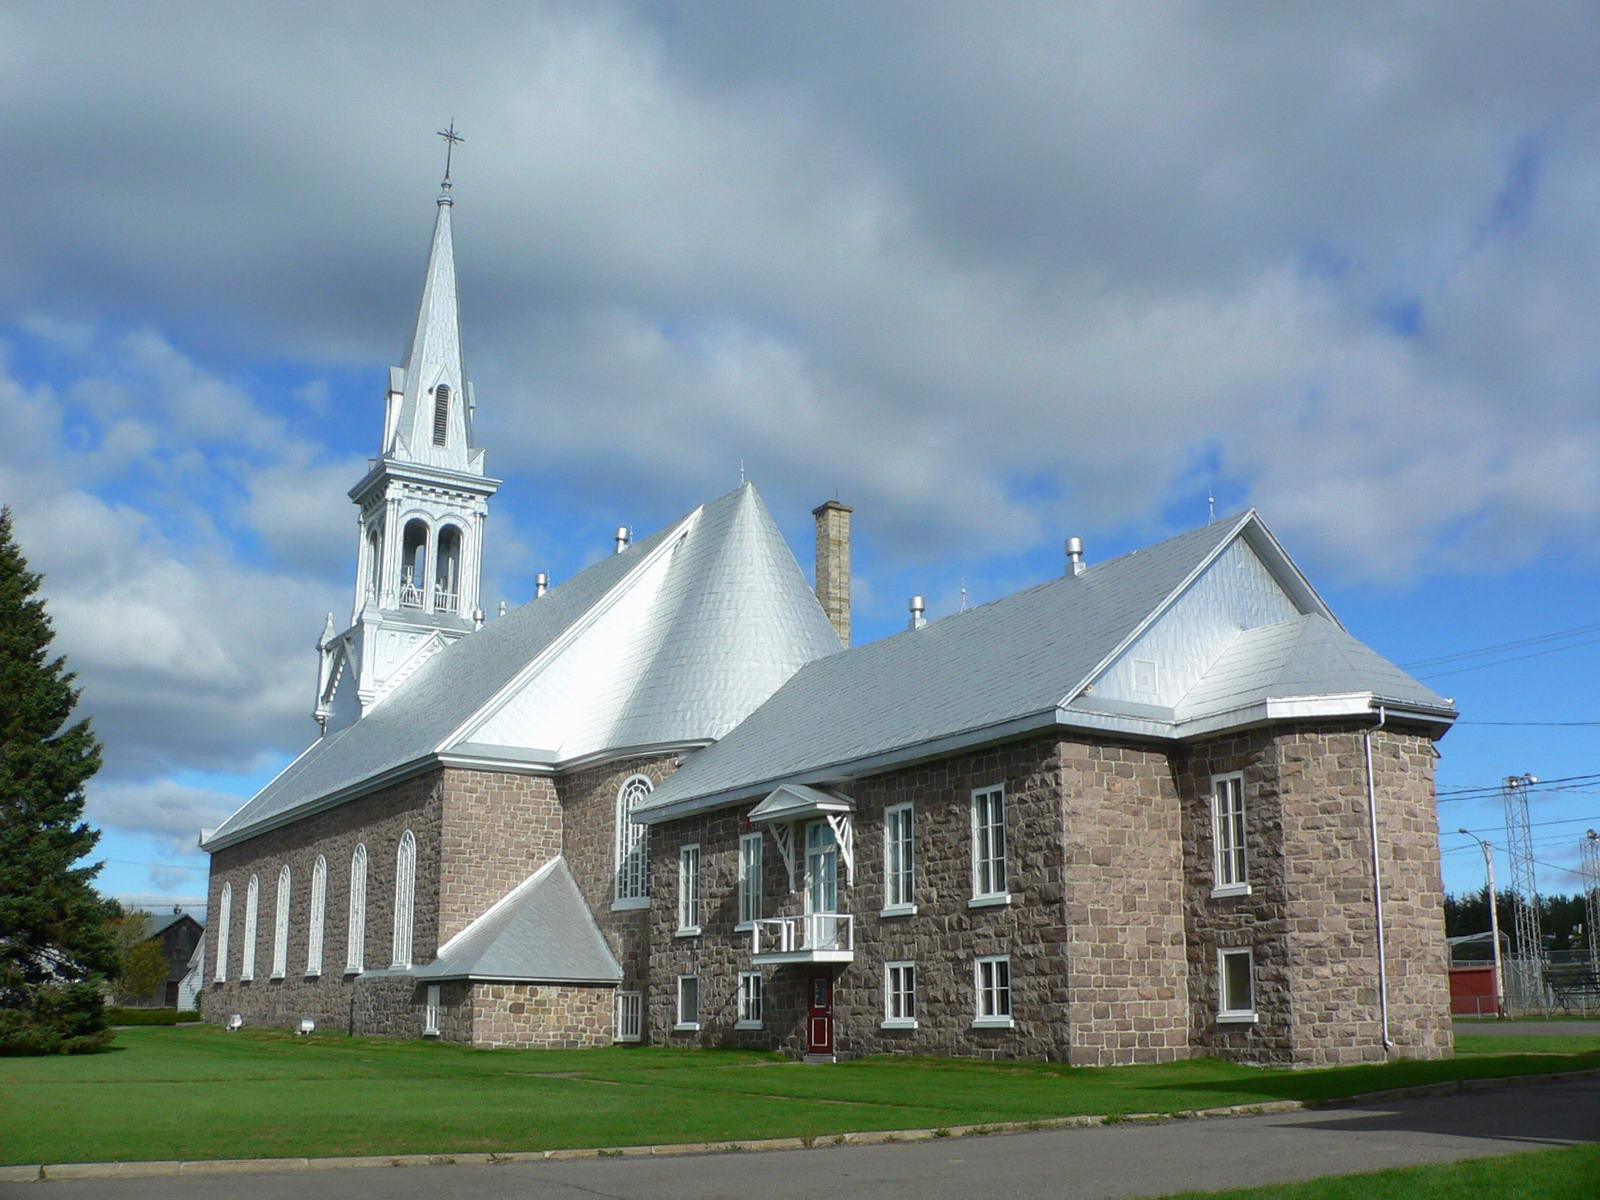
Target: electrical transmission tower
point(1529, 983)
point(1589, 858)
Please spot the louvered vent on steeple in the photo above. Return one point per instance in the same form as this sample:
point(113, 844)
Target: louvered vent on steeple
point(441, 413)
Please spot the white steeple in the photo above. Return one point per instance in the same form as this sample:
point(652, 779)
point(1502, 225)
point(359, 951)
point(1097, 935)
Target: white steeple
point(423, 506)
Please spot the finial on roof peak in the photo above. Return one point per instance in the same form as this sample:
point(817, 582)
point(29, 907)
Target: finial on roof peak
point(451, 137)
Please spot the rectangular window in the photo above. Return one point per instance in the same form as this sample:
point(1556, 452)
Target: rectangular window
point(749, 1000)
point(989, 846)
point(1236, 977)
point(992, 980)
point(899, 860)
point(630, 1016)
point(430, 1014)
point(749, 880)
point(688, 890)
point(688, 1002)
point(1227, 836)
point(900, 995)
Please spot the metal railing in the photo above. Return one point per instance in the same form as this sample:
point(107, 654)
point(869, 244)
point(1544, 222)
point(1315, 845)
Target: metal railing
point(797, 935)
point(446, 602)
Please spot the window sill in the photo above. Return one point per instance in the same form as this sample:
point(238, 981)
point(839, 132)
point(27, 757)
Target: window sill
point(744, 926)
point(748, 1025)
point(994, 1023)
point(317, 974)
point(630, 903)
point(686, 1027)
point(990, 901)
point(1233, 889)
point(1238, 1018)
point(626, 1037)
point(899, 1023)
point(899, 910)
point(354, 971)
point(277, 978)
point(688, 931)
point(430, 1033)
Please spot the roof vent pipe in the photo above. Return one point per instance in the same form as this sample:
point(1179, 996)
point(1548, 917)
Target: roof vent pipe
point(541, 584)
point(1075, 563)
point(624, 536)
point(917, 609)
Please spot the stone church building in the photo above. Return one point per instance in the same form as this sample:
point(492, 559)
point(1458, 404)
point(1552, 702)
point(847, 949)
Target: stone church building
point(1160, 806)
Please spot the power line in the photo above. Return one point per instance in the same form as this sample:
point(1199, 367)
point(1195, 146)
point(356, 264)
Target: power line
point(1500, 662)
point(1500, 647)
point(1540, 724)
point(1542, 785)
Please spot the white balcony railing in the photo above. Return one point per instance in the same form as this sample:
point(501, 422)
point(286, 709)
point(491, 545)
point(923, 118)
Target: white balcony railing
point(445, 602)
point(410, 593)
point(814, 937)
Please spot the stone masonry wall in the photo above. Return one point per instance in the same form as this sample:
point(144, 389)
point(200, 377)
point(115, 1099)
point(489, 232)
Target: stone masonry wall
point(1332, 919)
point(589, 808)
point(541, 1016)
point(1127, 974)
point(1257, 920)
point(378, 821)
point(943, 937)
point(497, 829)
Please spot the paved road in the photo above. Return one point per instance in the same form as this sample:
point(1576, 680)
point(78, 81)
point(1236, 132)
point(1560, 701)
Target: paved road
point(1107, 1161)
point(1528, 1028)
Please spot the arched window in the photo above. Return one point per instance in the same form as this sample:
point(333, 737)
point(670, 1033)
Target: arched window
point(224, 919)
point(447, 570)
point(441, 414)
point(252, 911)
point(356, 943)
point(413, 563)
point(633, 841)
point(319, 912)
point(405, 884)
point(280, 927)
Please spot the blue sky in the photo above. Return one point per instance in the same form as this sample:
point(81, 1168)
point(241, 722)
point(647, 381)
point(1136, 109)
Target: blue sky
point(992, 274)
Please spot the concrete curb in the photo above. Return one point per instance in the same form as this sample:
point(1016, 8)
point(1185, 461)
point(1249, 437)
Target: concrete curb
point(871, 1137)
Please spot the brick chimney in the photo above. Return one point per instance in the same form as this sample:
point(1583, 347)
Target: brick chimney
point(833, 564)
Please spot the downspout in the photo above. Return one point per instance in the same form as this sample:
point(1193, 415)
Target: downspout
point(1377, 881)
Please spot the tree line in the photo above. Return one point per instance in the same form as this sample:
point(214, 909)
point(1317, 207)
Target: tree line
point(1562, 919)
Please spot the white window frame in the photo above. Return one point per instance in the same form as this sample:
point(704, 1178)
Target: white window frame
point(252, 916)
point(752, 1000)
point(688, 1018)
point(899, 995)
point(225, 908)
point(899, 860)
point(632, 888)
point(689, 890)
point(405, 894)
point(1231, 1014)
point(1230, 863)
point(355, 952)
point(319, 916)
point(992, 987)
point(430, 1012)
point(751, 847)
point(630, 1016)
point(280, 925)
point(990, 876)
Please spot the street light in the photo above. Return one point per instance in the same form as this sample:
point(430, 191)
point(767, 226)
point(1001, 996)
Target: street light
point(1494, 921)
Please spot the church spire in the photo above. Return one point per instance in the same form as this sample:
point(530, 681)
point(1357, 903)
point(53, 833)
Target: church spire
point(429, 418)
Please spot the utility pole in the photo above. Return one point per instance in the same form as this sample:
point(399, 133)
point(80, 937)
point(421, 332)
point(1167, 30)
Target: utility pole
point(1494, 923)
point(1525, 893)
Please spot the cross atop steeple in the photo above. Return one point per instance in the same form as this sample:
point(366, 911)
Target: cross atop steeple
point(451, 137)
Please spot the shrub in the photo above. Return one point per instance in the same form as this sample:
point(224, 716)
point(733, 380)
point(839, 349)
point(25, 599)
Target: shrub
point(149, 1016)
point(63, 1019)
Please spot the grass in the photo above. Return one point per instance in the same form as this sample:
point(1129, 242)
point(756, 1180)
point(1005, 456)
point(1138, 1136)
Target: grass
point(1566, 1174)
point(198, 1092)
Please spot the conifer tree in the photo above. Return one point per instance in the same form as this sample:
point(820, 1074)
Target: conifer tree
point(55, 939)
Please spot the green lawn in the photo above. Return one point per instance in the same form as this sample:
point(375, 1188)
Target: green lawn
point(1567, 1174)
point(202, 1093)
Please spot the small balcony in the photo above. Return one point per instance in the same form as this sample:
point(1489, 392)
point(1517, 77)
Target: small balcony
point(813, 938)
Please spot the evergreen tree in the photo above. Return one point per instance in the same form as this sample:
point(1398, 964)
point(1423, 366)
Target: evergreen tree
point(55, 939)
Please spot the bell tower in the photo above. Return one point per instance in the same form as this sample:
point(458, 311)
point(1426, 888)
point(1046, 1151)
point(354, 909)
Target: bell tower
point(423, 504)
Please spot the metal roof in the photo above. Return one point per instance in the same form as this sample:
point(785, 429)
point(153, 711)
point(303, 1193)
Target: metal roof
point(669, 643)
point(540, 932)
point(1025, 663)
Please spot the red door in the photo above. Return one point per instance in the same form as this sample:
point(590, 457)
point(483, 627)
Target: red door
point(819, 1019)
